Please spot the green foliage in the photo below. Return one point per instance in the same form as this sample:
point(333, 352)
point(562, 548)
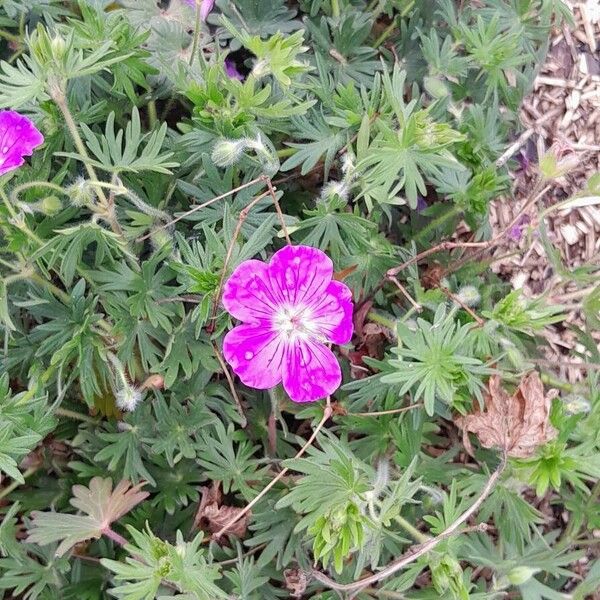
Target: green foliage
point(152, 562)
point(436, 362)
point(377, 128)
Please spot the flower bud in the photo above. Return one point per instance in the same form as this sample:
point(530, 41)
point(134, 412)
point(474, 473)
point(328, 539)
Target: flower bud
point(58, 47)
point(435, 87)
point(558, 161)
point(127, 398)
point(154, 382)
point(521, 575)
point(80, 193)
point(50, 205)
point(469, 295)
point(575, 404)
point(227, 152)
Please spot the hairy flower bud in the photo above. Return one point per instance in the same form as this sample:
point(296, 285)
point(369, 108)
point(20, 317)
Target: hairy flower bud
point(80, 193)
point(227, 152)
point(50, 205)
point(469, 295)
point(127, 398)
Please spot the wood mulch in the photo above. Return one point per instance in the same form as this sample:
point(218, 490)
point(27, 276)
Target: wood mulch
point(562, 112)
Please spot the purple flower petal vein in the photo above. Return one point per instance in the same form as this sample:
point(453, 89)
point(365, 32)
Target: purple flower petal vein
point(290, 309)
point(18, 138)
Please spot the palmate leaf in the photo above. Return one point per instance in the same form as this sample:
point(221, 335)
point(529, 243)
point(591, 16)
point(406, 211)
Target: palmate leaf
point(21, 83)
point(400, 155)
point(67, 248)
point(39, 576)
point(120, 152)
point(436, 360)
point(152, 561)
point(325, 141)
point(102, 506)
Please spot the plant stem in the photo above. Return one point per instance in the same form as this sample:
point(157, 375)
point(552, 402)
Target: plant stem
point(11, 37)
point(114, 536)
point(152, 117)
point(71, 414)
point(335, 8)
point(61, 101)
point(416, 534)
point(385, 34)
point(196, 34)
point(15, 484)
point(435, 223)
point(382, 320)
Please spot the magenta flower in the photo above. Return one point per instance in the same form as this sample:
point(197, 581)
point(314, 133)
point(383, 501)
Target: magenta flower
point(205, 7)
point(18, 138)
point(290, 309)
point(231, 70)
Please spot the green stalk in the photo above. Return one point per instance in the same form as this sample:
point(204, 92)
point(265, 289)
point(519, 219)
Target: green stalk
point(440, 220)
point(196, 34)
point(335, 8)
point(15, 484)
point(71, 414)
point(416, 534)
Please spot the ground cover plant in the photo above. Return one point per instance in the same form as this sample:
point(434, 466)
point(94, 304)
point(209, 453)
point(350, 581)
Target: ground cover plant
point(253, 346)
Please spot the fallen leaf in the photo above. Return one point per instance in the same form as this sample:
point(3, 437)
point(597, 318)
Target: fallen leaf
point(211, 515)
point(516, 424)
point(295, 582)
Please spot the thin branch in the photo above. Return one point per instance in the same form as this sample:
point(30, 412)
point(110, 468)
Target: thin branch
point(455, 298)
point(568, 364)
point(236, 398)
point(243, 216)
point(272, 191)
point(326, 414)
point(448, 245)
point(392, 411)
point(201, 206)
point(405, 293)
point(421, 549)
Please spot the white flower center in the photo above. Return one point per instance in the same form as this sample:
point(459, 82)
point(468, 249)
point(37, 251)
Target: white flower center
point(294, 322)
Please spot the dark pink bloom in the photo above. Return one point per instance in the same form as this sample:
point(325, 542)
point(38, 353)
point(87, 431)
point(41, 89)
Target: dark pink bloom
point(231, 70)
point(18, 138)
point(290, 309)
point(205, 7)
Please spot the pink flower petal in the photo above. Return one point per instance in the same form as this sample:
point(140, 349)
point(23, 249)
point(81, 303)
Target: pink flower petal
point(332, 313)
point(311, 371)
point(18, 138)
point(248, 294)
point(301, 272)
point(256, 355)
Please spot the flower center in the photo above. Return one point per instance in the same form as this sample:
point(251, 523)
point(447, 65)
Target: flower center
point(294, 322)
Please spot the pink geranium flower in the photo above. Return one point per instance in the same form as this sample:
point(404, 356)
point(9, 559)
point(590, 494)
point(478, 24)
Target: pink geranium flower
point(290, 309)
point(18, 138)
point(205, 7)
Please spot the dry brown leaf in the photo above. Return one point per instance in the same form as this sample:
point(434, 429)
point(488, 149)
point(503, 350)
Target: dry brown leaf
point(212, 515)
point(295, 582)
point(516, 424)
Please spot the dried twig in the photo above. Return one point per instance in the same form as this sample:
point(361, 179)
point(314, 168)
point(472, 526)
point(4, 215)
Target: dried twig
point(326, 414)
point(194, 209)
point(229, 378)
